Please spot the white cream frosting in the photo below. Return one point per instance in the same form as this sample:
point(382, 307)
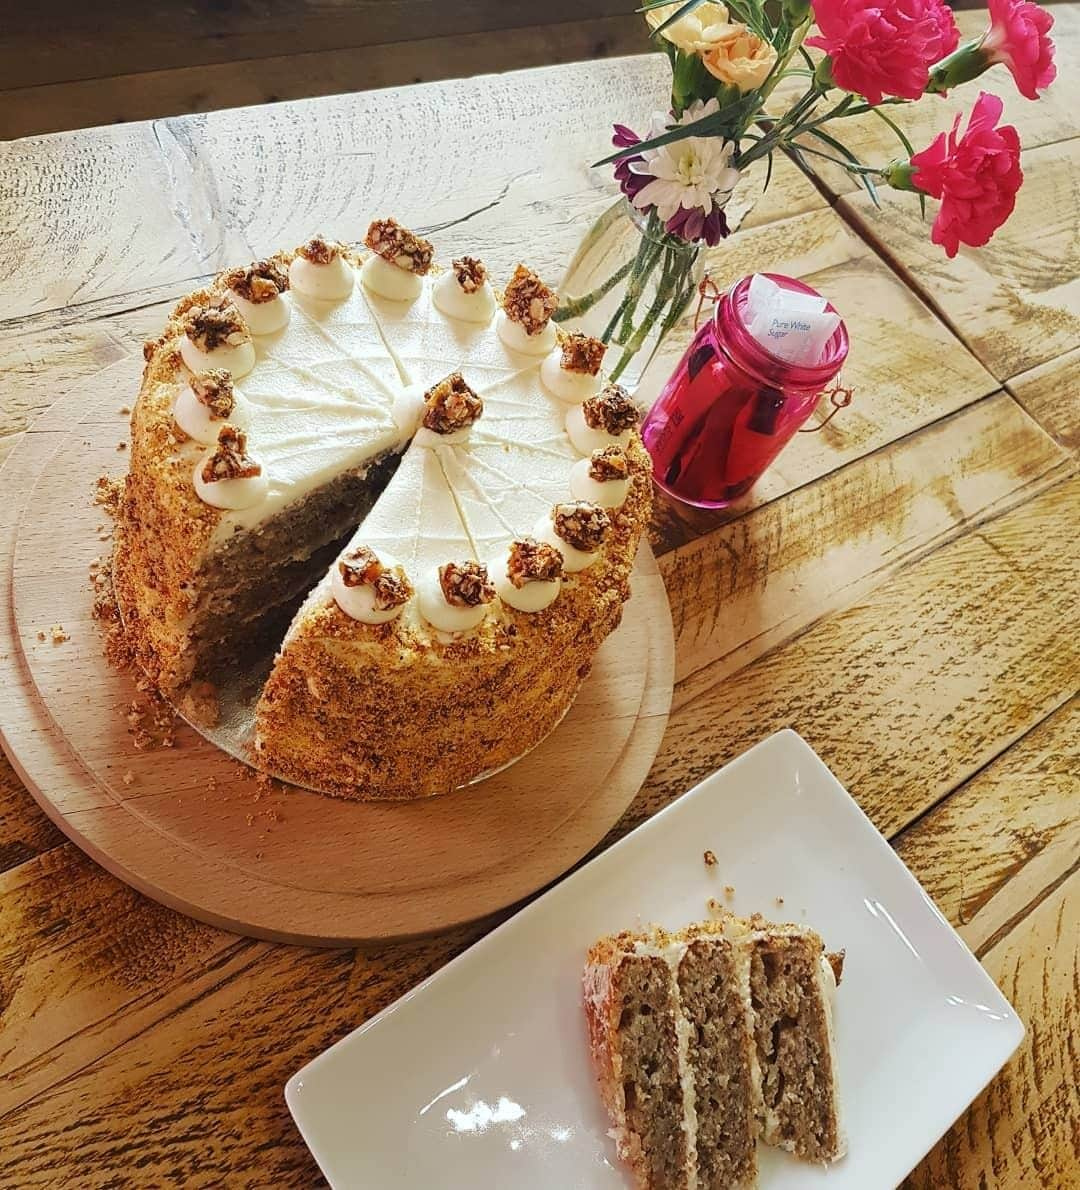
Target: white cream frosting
point(532, 597)
point(585, 439)
point(196, 420)
point(446, 617)
point(388, 281)
point(571, 387)
point(262, 318)
point(358, 603)
point(229, 494)
point(608, 493)
point(454, 302)
point(332, 282)
point(238, 359)
point(517, 338)
point(574, 560)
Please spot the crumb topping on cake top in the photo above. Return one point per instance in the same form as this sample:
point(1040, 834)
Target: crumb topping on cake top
point(612, 411)
point(319, 250)
point(211, 327)
point(609, 464)
point(532, 561)
point(451, 406)
point(582, 353)
point(259, 282)
point(470, 273)
point(399, 246)
point(581, 524)
point(528, 301)
point(361, 567)
point(466, 584)
point(229, 458)
point(214, 389)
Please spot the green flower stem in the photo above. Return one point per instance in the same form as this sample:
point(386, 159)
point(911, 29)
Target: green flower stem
point(576, 307)
point(659, 256)
point(647, 254)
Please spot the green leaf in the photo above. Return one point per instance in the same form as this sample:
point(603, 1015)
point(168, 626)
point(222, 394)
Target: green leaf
point(729, 122)
point(900, 134)
point(682, 11)
point(859, 169)
point(768, 175)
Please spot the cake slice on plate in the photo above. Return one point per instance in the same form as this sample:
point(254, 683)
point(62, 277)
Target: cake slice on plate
point(706, 1039)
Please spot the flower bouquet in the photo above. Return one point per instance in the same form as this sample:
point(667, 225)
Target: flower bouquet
point(632, 278)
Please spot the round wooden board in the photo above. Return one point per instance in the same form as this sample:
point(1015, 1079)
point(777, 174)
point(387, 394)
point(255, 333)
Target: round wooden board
point(193, 829)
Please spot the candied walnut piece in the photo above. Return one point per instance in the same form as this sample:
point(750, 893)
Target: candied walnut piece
point(320, 250)
point(528, 301)
point(836, 962)
point(470, 272)
point(533, 561)
point(612, 410)
point(466, 584)
point(230, 459)
point(261, 281)
point(362, 568)
point(581, 524)
point(397, 245)
point(609, 463)
point(451, 405)
point(582, 353)
point(214, 389)
point(209, 327)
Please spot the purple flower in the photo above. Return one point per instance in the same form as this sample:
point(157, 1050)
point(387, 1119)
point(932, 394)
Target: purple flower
point(694, 225)
point(629, 182)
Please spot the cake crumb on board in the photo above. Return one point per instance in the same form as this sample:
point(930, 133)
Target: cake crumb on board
point(710, 858)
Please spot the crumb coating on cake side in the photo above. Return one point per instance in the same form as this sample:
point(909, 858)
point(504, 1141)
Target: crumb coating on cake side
point(391, 711)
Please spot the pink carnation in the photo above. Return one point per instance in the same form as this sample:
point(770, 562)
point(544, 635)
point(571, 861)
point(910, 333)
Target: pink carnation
point(884, 47)
point(1018, 38)
point(976, 176)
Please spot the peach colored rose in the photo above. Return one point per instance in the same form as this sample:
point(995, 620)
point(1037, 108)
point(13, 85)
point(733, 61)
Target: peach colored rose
point(740, 58)
point(695, 32)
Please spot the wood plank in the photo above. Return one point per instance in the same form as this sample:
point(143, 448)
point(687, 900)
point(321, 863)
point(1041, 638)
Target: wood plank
point(138, 93)
point(746, 587)
point(1021, 1131)
point(907, 695)
point(917, 685)
point(78, 42)
point(24, 830)
point(1016, 302)
point(198, 193)
point(1051, 394)
point(998, 844)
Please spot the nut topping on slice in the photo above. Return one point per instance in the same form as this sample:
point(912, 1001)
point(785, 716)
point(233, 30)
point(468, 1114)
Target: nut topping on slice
point(451, 405)
point(611, 410)
point(261, 281)
point(320, 250)
point(230, 459)
point(397, 245)
point(209, 327)
point(533, 561)
point(609, 463)
point(362, 568)
point(214, 389)
point(528, 301)
point(582, 353)
point(581, 524)
point(470, 272)
point(466, 584)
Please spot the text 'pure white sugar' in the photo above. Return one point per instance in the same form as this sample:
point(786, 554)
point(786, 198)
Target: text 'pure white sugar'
point(792, 326)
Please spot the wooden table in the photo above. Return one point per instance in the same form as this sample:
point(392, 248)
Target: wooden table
point(902, 588)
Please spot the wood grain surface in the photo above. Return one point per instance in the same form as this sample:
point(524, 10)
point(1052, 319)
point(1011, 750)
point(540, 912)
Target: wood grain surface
point(901, 589)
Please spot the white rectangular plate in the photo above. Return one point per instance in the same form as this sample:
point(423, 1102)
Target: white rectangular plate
point(480, 1077)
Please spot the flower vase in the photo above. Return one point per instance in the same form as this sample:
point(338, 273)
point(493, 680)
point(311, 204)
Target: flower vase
point(628, 284)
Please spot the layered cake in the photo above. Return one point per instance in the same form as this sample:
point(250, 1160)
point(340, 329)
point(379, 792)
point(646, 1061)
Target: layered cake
point(708, 1039)
point(445, 482)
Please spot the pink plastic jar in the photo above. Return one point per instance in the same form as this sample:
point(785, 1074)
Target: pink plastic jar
point(731, 406)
